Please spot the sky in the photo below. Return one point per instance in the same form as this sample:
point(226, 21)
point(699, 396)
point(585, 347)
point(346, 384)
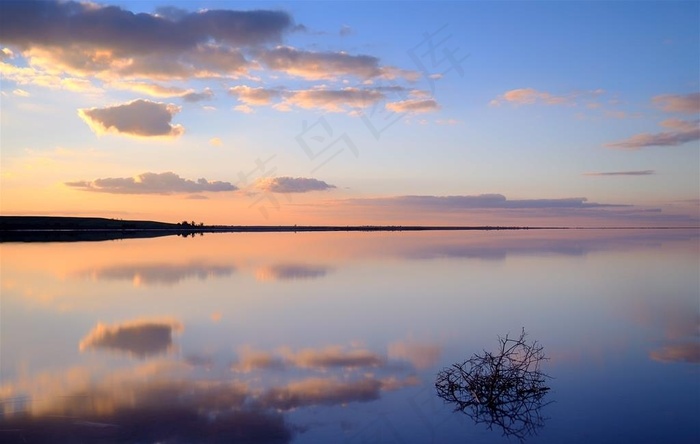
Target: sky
point(349, 113)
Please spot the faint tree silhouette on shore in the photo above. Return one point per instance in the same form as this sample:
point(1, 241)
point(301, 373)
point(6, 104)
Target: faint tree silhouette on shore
point(505, 388)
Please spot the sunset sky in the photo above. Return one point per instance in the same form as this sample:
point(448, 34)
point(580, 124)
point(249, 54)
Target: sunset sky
point(266, 113)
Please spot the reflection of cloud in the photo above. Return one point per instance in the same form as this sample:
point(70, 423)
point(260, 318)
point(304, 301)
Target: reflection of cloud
point(421, 355)
point(152, 183)
point(689, 352)
point(156, 403)
point(308, 358)
point(154, 274)
point(250, 360)
point(139, 338)
point(334, 357)
point(315, 391)
point(159, 409)
point(290, 272)
point(137, 118)
point(292, 185)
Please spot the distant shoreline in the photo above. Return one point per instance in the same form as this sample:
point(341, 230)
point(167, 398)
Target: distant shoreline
point(66, 229)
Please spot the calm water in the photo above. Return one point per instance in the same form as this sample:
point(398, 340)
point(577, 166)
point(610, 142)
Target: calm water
point(338, 337)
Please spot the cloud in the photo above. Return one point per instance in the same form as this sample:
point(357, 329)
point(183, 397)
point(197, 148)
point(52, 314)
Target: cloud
point(413, 106)
point(140, 117)
point(89, 39)
point(345, 31)
point(138, 338)
point(52, 23)
point(150, 88)
point(284, 272)
point(292, 185)
point(319, 65)
point(529, 96)
point(490, 201)
point(686, 103)
point(157, 274)
point(6, 54)
point(152, 183)
point(333, 100)
point(215, 141)
point(193, 97)
point(683, 132)
point(689, 352)
point(254, 96)
point(622, 173)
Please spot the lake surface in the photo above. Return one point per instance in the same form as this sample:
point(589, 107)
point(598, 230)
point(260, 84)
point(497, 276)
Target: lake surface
point(338, 337)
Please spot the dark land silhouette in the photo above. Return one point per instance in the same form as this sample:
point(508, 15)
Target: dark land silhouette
point(67, 229)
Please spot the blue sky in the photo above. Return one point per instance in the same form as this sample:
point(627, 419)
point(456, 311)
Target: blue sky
point(546, 113)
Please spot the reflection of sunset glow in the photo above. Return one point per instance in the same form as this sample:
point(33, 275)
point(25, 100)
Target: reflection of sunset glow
point(421, 355)
point(289, 272)
point(677, 353)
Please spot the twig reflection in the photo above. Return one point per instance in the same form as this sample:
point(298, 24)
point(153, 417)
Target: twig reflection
point(504, 389)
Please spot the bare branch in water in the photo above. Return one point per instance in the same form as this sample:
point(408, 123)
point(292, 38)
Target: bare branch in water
point(505, 388)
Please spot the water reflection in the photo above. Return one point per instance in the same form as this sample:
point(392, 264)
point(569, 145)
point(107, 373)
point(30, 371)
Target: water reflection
point(139, 338)
point(155, 273)
point(283, 272)
point(168, 399)
point(344, 345)
point(688, 352)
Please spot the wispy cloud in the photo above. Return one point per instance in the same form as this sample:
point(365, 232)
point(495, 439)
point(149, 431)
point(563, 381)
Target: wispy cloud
point(254, 96)
point(622, 173)
point(487, 201)
point(413, 106)
point(194, 97)
point(292, 185)
point(319, 65)
point(332, 100)
point(682, 132)
point(531, 96)
point(152, 183)
point(141, 118)
point(348, 99)
point(678, 103)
